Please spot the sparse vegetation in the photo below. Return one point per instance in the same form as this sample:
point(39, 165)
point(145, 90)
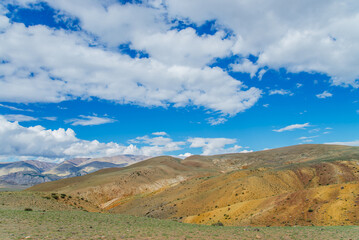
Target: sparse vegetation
point(55, 224)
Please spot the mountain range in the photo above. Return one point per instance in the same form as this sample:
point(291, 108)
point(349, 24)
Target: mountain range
point(22, 174)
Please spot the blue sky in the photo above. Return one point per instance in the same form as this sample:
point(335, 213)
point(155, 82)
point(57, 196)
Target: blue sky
point(102, 78)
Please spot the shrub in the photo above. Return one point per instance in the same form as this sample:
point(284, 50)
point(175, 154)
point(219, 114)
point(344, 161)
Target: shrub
point(63, 195)
point(28, 209)
point(218, 224)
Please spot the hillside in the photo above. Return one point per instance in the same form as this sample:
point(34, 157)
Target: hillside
point(50, 218)
point(297, 185)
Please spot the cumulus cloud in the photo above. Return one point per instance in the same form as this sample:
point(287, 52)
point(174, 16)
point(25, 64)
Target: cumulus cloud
point(185, 47)
point(280, 92)
point(18, 118)
point(42, 64)
point(323, 95)
point(38, 142)
point(212, 146)
point(48, 65)
point(245, 66)
point(295, 35)
point(155, 146)
point(89, 120)
point(292, 127)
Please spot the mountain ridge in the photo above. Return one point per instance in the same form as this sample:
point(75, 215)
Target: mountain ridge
point(32, 172)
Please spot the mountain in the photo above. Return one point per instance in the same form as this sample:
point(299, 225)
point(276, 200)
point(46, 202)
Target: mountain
point(6, 168)
point(296, 185)
point(82, 166)
point(28, 173)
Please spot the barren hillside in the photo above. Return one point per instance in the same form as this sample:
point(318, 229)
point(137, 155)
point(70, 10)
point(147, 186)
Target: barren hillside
point(298, 185)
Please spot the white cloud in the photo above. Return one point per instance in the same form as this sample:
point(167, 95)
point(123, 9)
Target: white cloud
point(216, 121)
point(159, 133)
point(280, 92)
point(157, 145)
point(89, 120)
point(212, 146)
point(38, 142)
point(47, 65)
point(246, 151)
point(323, 95)
point(18, 118)
point(266, 105)
point(185, 155)
point(245, 66)
point(306, 138)
point(50, 118)
point(184, 47)
point(299, 85)
point(261, 73)
point(15, 108)
point(314, 130)
point(292, 127)
point(352, 143)
point(296, 35)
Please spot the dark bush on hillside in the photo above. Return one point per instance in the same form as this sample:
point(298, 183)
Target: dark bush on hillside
point(218, 224)
point(28, 209)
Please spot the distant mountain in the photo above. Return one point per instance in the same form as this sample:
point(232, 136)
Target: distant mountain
point(27, 178)
point(81, 166)
point(32, 172)
point(13, 167)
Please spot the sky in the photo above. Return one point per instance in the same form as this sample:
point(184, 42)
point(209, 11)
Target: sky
point(91, 78)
